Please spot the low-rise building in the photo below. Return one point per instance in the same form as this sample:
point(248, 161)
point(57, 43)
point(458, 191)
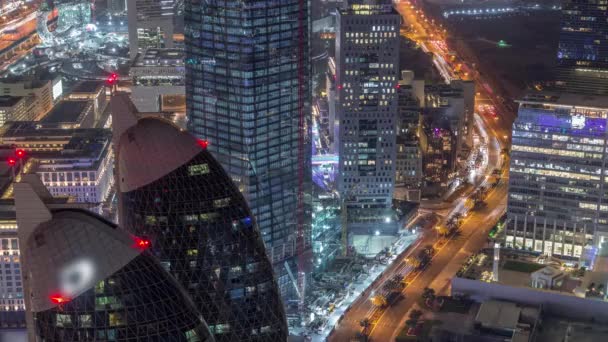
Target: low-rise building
point(70, 114)
point(93, 91)
point(158, 77)
point(70, 162)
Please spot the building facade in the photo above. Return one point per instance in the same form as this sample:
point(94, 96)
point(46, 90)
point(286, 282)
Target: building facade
point(151, 24)
point(75, 292)
point(583, 47)
point(12, 305)
point(558, 204)
point(248, 93)
point(408, 159)
point(367, 75)
point(41, 95)
point(201, 229)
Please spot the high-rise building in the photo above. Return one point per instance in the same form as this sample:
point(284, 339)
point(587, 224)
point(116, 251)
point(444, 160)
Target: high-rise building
point(583, 47)
point(151, 24)
point(88, 280)
point(408, 159)
point(173, 192)
point(558, 203)
point(248, 93)
point(367, 75)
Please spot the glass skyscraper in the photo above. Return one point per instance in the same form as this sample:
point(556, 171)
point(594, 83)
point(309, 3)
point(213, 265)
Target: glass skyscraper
point(174, 193)
point(558, 194)
point(247, 93)
point(583, 46)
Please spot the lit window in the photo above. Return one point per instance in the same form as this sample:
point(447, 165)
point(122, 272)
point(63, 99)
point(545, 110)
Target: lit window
point(198, 169)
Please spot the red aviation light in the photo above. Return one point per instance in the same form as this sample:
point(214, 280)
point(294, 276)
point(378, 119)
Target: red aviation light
point(20, 153)
point(59, 299)
point(112, 79)
point(141, 243)
point(204, 143)
point(11, 161)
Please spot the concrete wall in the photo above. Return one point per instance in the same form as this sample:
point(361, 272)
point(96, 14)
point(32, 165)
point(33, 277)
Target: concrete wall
point(555, 303)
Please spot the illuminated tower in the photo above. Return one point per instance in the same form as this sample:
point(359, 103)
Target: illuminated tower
point(174, 193)
point(367, 68)
point(248, 93)
point(86, 280)
point(583, 47)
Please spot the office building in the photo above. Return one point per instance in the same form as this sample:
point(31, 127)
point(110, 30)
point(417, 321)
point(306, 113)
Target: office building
point(557, 201)
point(94, 91)
point(408, 158)
point(14, 108)
point(68, 114)
point(88, 280)
point(583, 47)
point(248, 93)
point(151, 24)
point(41, 93)
point(12, 305)
point(159, 79)
point(367, 75)
point(178, 196)
point(70, 162)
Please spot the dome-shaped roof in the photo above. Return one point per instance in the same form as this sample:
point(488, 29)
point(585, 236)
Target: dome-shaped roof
point(70, 253)
point(151, 149)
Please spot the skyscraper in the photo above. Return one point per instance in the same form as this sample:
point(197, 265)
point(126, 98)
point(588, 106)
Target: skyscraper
point(583, 47)
point(367, 64)
point(558, 203)
point(247, 92)
point(174, 193)
point(87, 280)
point(151, 24)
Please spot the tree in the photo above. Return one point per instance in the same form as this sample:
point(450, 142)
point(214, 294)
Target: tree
point(379, 301)
point(365, 324)
point(391, 285)
point(428, 293)
point(443, 230)
point(414, 262)
point(411, 323)
point(415, 314)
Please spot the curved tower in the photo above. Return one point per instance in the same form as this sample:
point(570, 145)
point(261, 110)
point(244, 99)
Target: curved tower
point(86, 280)
point(174, 193)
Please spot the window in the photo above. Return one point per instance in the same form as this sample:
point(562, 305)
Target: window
point(63, 320)
point(198, 169)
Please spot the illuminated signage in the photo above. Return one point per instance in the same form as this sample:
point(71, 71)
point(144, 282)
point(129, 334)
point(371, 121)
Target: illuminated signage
point(57, 89)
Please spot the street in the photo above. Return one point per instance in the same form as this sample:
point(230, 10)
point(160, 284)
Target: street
point(474, 230)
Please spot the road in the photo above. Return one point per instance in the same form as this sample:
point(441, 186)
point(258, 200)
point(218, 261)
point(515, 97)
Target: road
point(474, 230)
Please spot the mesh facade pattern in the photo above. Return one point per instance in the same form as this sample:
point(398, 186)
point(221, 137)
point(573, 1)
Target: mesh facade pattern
point(202, 231)
point(137, 301)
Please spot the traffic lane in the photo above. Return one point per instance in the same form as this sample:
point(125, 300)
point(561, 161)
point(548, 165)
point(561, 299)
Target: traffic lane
point(472, 238)
point(349, 325)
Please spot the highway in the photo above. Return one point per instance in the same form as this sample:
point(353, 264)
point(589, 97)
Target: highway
point(387, 323)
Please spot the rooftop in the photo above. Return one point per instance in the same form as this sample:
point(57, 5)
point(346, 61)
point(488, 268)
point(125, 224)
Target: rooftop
point(9, 101)
point(566, 99)
point(160, 57)
point(498, 315)
point(66, 111)
point(87, 86)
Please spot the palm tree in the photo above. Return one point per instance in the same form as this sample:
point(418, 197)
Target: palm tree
point(428, 293)
point(365, 324)
point(415, 314)
point(379, 301)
